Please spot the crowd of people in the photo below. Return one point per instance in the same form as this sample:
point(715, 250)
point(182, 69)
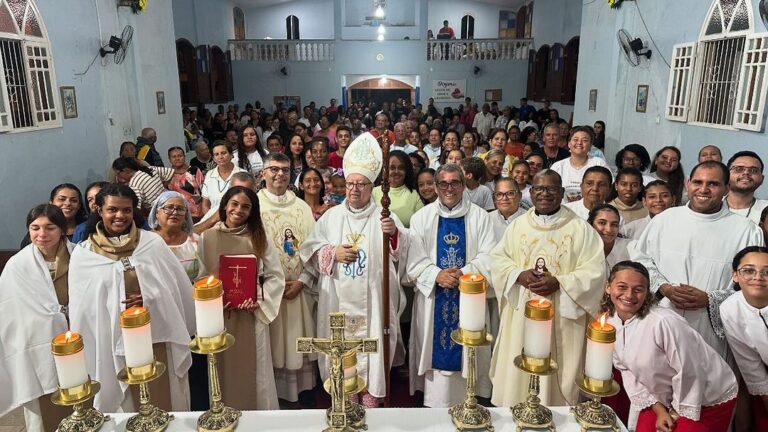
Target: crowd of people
point(676, 258)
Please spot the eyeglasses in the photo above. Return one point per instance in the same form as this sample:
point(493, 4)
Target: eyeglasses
point(274, 170)
point(545, 189)
point(169, 210)
point(738, 169)
point(358, 186)
point(508, 195)
point(444, 185)
point(750, 273)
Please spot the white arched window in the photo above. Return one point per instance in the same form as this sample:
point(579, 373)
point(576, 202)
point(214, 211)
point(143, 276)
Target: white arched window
point(720, 80)
point(28, 96)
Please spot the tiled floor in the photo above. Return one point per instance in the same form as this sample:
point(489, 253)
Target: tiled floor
point(13, 422)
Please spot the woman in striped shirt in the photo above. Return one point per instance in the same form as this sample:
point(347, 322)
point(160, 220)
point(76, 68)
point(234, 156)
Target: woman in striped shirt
point(147, 182)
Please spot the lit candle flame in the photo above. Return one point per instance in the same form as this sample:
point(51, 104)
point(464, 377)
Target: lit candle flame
point(473, 277)
point(603, 317)
point(68, 336)
point(138, 311)
point(210, 279)
point(541, 302)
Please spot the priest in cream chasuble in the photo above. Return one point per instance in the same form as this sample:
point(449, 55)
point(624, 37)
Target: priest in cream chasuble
point(548, 252)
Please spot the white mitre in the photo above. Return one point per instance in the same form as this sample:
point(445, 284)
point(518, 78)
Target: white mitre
point(363, 157)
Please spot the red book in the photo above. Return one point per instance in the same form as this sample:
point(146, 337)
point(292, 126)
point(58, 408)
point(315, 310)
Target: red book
point(239, 275)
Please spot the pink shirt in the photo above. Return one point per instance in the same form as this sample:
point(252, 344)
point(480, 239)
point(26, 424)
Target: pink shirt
point(663, 359)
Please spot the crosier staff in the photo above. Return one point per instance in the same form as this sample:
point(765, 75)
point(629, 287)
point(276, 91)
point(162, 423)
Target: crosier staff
point(385, 255)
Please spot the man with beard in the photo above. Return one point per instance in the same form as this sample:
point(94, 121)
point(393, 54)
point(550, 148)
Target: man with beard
point(746, 169)
point(688, 252)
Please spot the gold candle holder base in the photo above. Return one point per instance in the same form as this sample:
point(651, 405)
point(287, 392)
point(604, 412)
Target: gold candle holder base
point(592, 414)
point(531, 414)
point(82, 419)
point(219, 418)
point(468, 415)
point(150, 418)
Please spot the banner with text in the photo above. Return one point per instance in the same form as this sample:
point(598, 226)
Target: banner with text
point(449, 91)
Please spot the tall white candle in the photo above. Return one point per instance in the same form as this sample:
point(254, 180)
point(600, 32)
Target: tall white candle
point(537, 342)
point(209, 307)
point(349, 363)
point(599, 360)
point(69, 358)
point(472, 302)
point(137, 337)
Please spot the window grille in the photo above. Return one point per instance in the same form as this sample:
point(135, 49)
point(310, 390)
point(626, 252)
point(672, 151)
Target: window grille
point(720, 67)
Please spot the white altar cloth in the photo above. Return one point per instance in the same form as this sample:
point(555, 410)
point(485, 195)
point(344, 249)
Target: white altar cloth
point(381, 419)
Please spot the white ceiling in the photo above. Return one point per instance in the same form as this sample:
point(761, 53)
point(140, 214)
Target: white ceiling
point(512, 4)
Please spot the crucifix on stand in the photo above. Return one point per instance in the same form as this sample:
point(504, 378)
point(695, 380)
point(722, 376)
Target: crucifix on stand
point(344, 415)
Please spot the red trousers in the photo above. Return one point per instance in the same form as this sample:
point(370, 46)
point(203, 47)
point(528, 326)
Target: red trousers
point(716, 418)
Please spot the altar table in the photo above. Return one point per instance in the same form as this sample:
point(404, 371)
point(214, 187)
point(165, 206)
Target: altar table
point(381, 419)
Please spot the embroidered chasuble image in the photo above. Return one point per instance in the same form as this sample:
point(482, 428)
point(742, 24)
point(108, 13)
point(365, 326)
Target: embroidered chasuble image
point(451, 253)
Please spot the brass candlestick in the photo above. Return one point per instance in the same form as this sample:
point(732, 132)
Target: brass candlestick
point(531, 414)
point(220, 417)
point(82, 419)
point(344, 415)
point(592, 414)
point(150, 418)
point(468, 414)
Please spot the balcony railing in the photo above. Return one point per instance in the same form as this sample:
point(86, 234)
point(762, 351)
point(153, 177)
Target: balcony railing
point(283, 50)
point(478, 49)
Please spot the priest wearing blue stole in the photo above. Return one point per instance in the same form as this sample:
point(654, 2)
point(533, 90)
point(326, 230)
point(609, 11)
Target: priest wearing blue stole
point(449, 238)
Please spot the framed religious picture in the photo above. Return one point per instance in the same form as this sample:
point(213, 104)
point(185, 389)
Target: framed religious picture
point(593, 100)
point(160, 96)
point(642, 98)
point(493, 95)
point(287, 101)
point(68, 102)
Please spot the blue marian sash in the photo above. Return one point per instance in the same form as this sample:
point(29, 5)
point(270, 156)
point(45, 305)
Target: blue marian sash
point(451, 253)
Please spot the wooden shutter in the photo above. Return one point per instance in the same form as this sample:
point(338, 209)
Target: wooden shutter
point(750, 98)
point(230, 81)
point(680, 81)
point(6, 123)
point(203, 74)
point(41, 84)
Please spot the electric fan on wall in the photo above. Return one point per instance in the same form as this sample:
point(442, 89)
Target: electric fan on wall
point(118, 45)
point(633, 48)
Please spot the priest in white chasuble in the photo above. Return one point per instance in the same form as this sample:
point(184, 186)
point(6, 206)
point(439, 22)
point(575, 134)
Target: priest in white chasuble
point(345, 252)
point(552, 253)
point(455, 237)
point(688, 251)
point(288, 222)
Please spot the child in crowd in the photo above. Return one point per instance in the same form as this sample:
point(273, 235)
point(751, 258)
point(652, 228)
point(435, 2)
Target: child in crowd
point(474, 170)
point(338, 188)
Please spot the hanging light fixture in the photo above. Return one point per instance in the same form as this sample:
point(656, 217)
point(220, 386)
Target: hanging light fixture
point(379, 13)
point(381, 30)
point(380, 38)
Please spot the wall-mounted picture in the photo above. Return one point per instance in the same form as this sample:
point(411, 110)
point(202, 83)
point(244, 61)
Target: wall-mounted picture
point(642, 98)
point(160, 96)
point(593, 100)
point(493, 95)
point(68, 102)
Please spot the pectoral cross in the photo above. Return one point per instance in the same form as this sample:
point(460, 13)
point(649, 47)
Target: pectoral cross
point(336, 347)
point(355, 239)
point(236, 279)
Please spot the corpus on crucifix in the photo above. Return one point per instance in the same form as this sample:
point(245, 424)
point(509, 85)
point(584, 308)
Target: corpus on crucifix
point(337, 347)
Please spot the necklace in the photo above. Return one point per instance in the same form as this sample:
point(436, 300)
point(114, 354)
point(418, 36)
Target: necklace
point(226, 182)
point(754, 200)
point(355, 238)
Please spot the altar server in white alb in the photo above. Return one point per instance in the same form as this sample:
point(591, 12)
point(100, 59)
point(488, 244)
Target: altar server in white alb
point(33, 305)
point(745, 319)
point(688, 251)
point(548, 252)
point(674, 380)
point(454, 237)
point(119, 266)
point(345, 252)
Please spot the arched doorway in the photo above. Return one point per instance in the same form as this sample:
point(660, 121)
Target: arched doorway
point(381, 90)
point(185, 56)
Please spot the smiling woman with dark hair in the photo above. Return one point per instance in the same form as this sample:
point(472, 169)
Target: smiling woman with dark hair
point(246, 373)
point(34, 297)
point(403, 193)
point(120, 266)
